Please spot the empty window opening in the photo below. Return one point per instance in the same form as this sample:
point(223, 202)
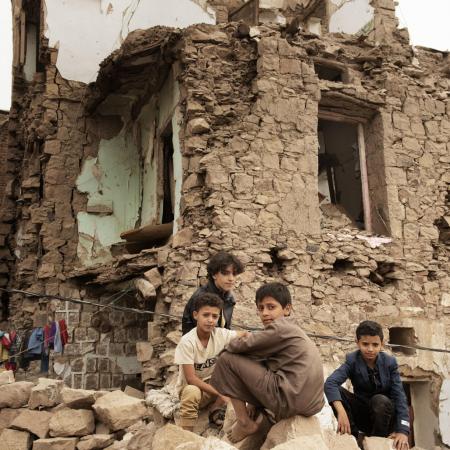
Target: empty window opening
point(168, 181)
point(423, 421)
point(443, 225)
point(4, 306)
point(400, 336)
point(340, 170)
point(276, 264)
point(343, 265)
point(31, 39)
point(383, 274)
point(325, 72)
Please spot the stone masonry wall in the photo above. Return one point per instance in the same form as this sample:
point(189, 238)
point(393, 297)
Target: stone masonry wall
point(249, 146)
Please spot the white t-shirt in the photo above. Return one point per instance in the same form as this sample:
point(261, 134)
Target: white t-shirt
point(191, 351)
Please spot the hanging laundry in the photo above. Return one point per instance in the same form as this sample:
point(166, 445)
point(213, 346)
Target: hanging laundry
point(36, 342)
point(63, 331)
point(58, 344)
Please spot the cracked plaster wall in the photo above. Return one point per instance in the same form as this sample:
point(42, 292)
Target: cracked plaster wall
point(121, 181)
point(73, 27)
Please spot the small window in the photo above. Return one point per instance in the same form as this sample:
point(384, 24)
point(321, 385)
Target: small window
point(330, 73)
point(400, 336)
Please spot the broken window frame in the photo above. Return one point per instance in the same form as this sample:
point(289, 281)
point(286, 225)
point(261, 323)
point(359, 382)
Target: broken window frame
point(335, 117)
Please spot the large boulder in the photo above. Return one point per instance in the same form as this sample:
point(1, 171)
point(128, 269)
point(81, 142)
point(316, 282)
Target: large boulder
point(79, 398)
point(118, 410)
point(292, 428)
point(340, 441)
point(170, 437)
point(55, 444)
point(96, 442)
point(7, 415)
point(72, 422)
point(310, 442)
point(6, 377)
point(14, 440)
point(377, 443)
point(36, 422)
point(143, 438)
point(46, 393)
point(15, 395)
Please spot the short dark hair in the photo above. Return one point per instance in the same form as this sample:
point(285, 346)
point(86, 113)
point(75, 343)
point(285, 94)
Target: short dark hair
point(275, 290)
point(207, 299)
point(220, 261)
point(369, 328)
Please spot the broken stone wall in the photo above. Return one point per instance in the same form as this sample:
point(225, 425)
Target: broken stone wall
point(249, 110)
point(258, 160)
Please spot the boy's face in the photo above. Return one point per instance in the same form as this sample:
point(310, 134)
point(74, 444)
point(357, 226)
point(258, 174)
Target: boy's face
point(270, 309)
point(370, 346)
point(225, 279)
point(207, 317)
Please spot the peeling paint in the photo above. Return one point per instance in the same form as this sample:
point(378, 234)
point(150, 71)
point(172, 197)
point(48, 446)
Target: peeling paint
point(73, 27)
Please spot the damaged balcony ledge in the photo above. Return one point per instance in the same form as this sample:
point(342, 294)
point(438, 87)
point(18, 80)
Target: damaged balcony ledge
point(121, 268)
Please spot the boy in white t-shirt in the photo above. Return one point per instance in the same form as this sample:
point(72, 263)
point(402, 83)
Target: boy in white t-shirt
point(196, 354)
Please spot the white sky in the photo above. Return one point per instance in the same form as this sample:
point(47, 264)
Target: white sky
point(427, 22)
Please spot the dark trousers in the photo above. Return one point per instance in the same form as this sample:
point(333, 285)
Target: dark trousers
point(374, 416)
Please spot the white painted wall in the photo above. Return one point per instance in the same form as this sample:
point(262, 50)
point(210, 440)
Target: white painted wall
point(444, 412)
point(87, 31)
point(350, 15)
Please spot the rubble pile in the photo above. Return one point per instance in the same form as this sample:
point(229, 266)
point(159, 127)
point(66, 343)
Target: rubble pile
point(48, 415)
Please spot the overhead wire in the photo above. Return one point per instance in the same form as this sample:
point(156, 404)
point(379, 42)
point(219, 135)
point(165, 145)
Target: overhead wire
point(179, 318)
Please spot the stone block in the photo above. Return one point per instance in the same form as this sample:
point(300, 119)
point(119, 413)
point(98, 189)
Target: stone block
point(79, 398)
point(46, 393)
point(377, 443)
point(72, 422)
point(170, 436)
point(143, 438)
point(118, 410)
point(36, 422)
point(7, 415)
point(154, 277)
point(15, 395)
point(6, 377)
point(132, 392)
point(55, 444)
point(95, 441)
point(144, 351)
point(292, 428)
point(311, 442)
point(14, 440)
point(340, 441)
point(198, 126)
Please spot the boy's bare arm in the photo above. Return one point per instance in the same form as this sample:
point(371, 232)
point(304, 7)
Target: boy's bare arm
point(343, 422)
point(193, 379)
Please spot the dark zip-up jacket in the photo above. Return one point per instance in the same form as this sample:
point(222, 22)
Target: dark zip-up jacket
point(188, 322)
point(391, 385)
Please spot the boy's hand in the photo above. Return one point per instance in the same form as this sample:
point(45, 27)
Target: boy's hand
point(400, 441)
point(343, 423)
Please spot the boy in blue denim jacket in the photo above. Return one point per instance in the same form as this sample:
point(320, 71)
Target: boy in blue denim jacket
point(378, 406)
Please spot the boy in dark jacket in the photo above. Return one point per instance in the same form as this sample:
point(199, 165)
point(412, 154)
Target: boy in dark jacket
point(378, 406)
point(222, 271)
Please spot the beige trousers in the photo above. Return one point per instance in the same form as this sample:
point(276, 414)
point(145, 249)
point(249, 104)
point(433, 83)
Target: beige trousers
point(192, 399)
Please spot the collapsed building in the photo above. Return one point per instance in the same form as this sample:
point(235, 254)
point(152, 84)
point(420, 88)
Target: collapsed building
point(306, 136)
